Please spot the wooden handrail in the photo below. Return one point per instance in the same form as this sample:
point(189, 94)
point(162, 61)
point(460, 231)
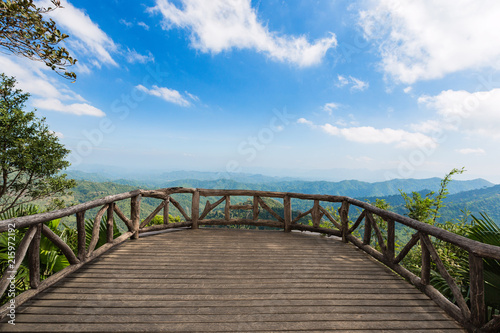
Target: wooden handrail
point(471, 316)
point(26, 221)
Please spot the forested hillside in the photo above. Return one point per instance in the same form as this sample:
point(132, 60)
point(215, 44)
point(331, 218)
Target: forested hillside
point(485, 200)
point(482, 198)
point(351, 188)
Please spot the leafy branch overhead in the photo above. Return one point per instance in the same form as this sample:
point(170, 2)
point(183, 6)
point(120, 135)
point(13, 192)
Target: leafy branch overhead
point(25, 32)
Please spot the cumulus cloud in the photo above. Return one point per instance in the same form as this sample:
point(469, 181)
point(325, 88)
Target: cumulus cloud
point(133, 56)
point(169, 95)
point(48, 93)
point(79, 109)
point(420, 40)
point(304, 121)
point(329, 107)
point(371, 135)
point(86, 36)
point(474, 113)
point(467, 151)
point(356, 84)
point(220, 25)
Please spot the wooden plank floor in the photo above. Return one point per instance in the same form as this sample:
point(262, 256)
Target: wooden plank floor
point(232, 281)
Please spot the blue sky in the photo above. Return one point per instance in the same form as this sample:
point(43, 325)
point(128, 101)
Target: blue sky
point(373, 90)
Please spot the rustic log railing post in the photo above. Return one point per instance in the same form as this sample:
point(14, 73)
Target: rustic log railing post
point(425, 273)
point(255, 208)
point(166, 219)
point(195, 209)
point(227, 212)
point(391, 239)
point(287, 213)
point(367, 237)
point(34, 258)
point(316, 214)
point(135, 214)
point(477, 304)
point(80, 227)
point(344, 219)
point(110, 223)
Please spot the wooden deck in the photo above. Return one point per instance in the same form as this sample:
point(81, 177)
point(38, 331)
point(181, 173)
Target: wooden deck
point(232, 281)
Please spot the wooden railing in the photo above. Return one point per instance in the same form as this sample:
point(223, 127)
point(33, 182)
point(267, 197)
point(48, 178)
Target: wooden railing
point(471, 314)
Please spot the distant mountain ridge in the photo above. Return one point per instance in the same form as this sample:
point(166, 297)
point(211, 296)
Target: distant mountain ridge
point(351, 188)
point(160, 179)
point(476, 195)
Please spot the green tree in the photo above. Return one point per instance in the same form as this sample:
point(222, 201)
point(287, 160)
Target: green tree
point(31, 156)
point(24, 32)
point(426, 209)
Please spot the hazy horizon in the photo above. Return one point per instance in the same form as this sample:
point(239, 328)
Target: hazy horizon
point(370, 176)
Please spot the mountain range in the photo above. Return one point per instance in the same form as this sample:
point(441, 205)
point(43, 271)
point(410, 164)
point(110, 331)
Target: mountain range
point(475, 196)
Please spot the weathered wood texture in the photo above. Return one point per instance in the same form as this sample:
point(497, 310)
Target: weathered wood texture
point(232, 280)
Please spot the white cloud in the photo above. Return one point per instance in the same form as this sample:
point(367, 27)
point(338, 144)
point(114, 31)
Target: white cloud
point(193, 97)
point(407, 90)
point(169, 95)
point(467, 151)
point(86, 36)
point(144, 25)
point(30, 76)
point(329, 107)
point(133, 56)
point(305, 121)
point(473, 113)
point(79, 109)
point(220, 25)
point(428, 39)
point(126, 23)
point(429, 126)
point(356, 84)
point(48, 92)
point(371, 135)
point(342, 81)
point(131, 24)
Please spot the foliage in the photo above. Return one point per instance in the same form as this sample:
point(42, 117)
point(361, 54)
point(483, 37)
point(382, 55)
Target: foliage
point(456, 260)
point(25, 32)
point(51, 258)
point(426, 209)
point(103, 232)
point(158, 220)
point(31, 155)
point(325, 222)
point(485, 230)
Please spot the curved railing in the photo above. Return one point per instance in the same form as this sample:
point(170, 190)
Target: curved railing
point(471, 314)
